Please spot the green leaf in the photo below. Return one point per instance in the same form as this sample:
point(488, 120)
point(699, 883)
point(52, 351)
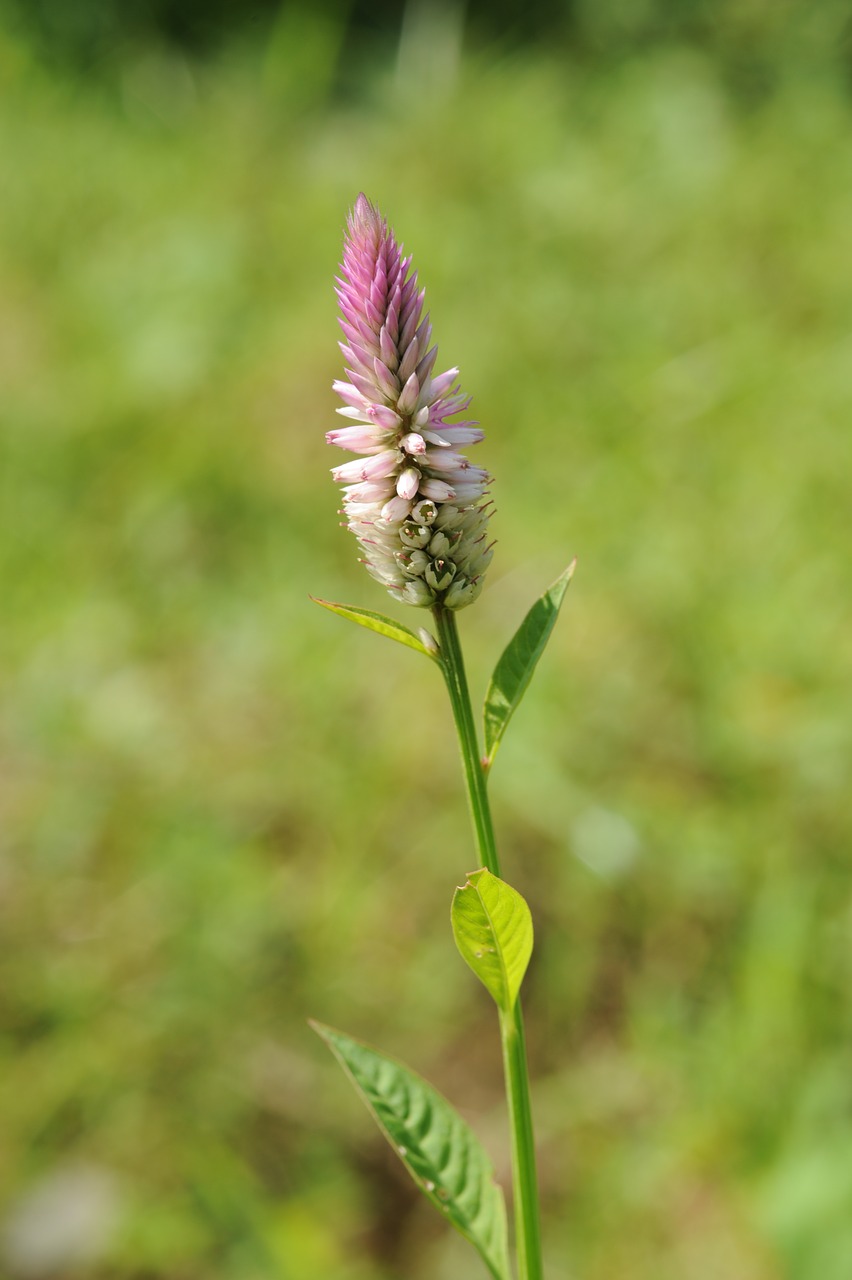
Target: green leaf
point(384, 626)
point(518, 662)
point(493, 930)
point(440, 1151)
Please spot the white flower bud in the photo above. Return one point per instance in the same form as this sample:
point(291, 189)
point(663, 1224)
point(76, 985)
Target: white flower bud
point(408, 483)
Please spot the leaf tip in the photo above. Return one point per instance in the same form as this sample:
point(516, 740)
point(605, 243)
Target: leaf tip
point(564, 578)
point(324, 1032)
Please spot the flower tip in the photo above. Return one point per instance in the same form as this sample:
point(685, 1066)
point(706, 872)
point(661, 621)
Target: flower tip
point(364, 216)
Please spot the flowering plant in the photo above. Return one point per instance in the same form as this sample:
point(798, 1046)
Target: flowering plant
point(419, 510)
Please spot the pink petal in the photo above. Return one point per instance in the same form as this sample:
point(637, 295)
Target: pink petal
point(409, 395)
point(350, 394)
point(359, 439)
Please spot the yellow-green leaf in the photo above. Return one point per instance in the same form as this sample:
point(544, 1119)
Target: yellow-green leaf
point(493, 930)
point(384, 626)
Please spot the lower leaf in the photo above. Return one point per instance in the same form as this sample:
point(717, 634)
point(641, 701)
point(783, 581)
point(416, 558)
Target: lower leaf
point(440, 1151)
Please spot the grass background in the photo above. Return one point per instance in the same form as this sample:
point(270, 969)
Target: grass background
point(223, 811)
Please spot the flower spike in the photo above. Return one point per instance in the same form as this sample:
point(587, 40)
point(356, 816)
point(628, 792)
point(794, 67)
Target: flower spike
point(416, 504)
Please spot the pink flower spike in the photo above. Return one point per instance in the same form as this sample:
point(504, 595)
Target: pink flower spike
point(421, 537)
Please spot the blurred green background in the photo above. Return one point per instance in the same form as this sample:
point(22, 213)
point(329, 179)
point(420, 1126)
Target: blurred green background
point(223, 811)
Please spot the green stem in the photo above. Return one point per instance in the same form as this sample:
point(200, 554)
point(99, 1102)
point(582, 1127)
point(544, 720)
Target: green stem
point(524, 1178)
point(452, 664)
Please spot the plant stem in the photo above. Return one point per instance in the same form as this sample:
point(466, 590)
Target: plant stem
point(452, 665)
point(524, 1178)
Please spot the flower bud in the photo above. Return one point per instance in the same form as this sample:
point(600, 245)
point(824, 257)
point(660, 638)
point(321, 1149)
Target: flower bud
point(424, 512)
point(408, 483)
point(414, 535)
point(439, 574)
point(429, 641)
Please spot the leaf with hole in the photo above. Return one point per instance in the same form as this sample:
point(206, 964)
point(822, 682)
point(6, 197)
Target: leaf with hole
point(440, 1151)
point(518, 662)
point(384, 626)
point(493, 930)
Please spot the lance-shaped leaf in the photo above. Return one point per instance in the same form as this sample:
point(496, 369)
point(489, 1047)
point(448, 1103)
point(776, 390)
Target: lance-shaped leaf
point(384, 626)
point(518, 662)
point(493, 930)
point(440, 1151)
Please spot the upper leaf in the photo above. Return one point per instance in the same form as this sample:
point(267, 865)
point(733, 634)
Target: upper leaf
point(493, 930)
point(440, 1151)
point(518, 662)
point(383, 625)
